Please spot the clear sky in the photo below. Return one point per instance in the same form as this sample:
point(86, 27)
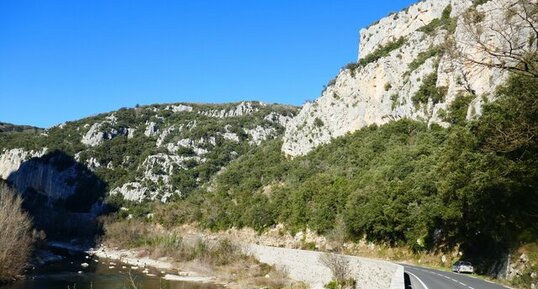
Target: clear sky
point(64, 60)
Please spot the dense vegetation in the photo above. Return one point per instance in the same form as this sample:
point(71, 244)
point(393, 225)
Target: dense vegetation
point(8, 127)
point(429, 90)
point(472, 185)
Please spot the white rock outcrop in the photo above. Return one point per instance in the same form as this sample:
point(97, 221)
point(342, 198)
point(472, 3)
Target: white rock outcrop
point(383, 90)
point(92, 163)
point(97, 134)
point(179, 108)
point(133, 191)
point(278, 118)
point(11, 160)
point(151, 129)
point(230, 136)
point(130, 133)
point(94, 136)
point(243, 108)
point(259, 134)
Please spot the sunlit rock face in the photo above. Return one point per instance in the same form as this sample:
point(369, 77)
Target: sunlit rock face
point(382, 90)
point(11, 160)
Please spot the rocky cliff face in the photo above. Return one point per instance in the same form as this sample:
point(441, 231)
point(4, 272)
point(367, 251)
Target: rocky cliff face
point(11, 160)
point(56, 180)
point(403, 58)
point(146, 153)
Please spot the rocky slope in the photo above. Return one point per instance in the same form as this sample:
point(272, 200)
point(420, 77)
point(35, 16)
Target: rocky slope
point(407, 69)
point(146, 153)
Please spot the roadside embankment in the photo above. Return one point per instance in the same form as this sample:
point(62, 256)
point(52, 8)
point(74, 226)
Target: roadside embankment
point(299, 265)
point(305, 266)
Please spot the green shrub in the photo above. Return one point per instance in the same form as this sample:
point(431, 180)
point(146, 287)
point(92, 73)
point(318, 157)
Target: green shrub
point(457, 110)
point(225, 252)
point(382, 51)
point(331, 82)
point(429, 91)
point(445, 22)
point(394, 100)
point(421, 59)
point(318, 122)
point(352, 66)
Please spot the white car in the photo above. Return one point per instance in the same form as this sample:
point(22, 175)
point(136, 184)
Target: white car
point(463, 267)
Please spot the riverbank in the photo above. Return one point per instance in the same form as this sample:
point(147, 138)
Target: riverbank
point(169, 269)
point(300, 265)
point(205, 255)
point(241, 271)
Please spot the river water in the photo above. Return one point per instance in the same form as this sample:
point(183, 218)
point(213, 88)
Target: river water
point(99, 274)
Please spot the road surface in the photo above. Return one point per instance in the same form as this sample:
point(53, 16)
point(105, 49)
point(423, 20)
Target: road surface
point(425, 278)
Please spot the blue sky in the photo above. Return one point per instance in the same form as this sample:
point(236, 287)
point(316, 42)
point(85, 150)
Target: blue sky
point(64, 60)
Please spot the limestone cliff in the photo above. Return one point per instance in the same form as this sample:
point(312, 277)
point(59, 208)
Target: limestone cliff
point(403, 58)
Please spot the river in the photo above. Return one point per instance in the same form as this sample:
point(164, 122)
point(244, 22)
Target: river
point(73, 273)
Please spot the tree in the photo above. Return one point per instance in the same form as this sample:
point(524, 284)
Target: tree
point(15, 235)
point(340, 269)
point(509, 42)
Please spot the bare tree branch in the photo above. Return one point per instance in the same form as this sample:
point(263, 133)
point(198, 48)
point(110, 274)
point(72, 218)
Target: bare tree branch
point(507, 44)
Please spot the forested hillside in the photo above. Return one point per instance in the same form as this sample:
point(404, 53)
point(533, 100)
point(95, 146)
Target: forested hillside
point(8, 127)
point(472, 185)
point(152, 152)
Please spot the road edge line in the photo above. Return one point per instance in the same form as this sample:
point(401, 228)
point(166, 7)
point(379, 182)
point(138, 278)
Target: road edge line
point(416, 277)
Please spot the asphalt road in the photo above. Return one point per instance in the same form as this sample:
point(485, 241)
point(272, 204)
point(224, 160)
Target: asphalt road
point(425, 278)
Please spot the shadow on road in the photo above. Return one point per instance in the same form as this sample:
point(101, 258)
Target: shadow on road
point(407, 281)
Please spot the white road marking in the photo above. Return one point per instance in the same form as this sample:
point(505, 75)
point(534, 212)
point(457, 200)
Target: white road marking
point(438, 274)
point(421, 283)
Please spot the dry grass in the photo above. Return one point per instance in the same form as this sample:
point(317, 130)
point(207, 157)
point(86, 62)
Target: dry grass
point(157, 242)
point(125, 234)
point(222, 257)
point(15, 235)
point(402, 254)
point(340, 269)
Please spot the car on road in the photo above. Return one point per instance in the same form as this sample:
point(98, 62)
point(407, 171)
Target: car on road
point(463, 267)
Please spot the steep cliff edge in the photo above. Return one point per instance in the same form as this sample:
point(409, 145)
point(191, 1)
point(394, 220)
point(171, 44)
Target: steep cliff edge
point(408, 68)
